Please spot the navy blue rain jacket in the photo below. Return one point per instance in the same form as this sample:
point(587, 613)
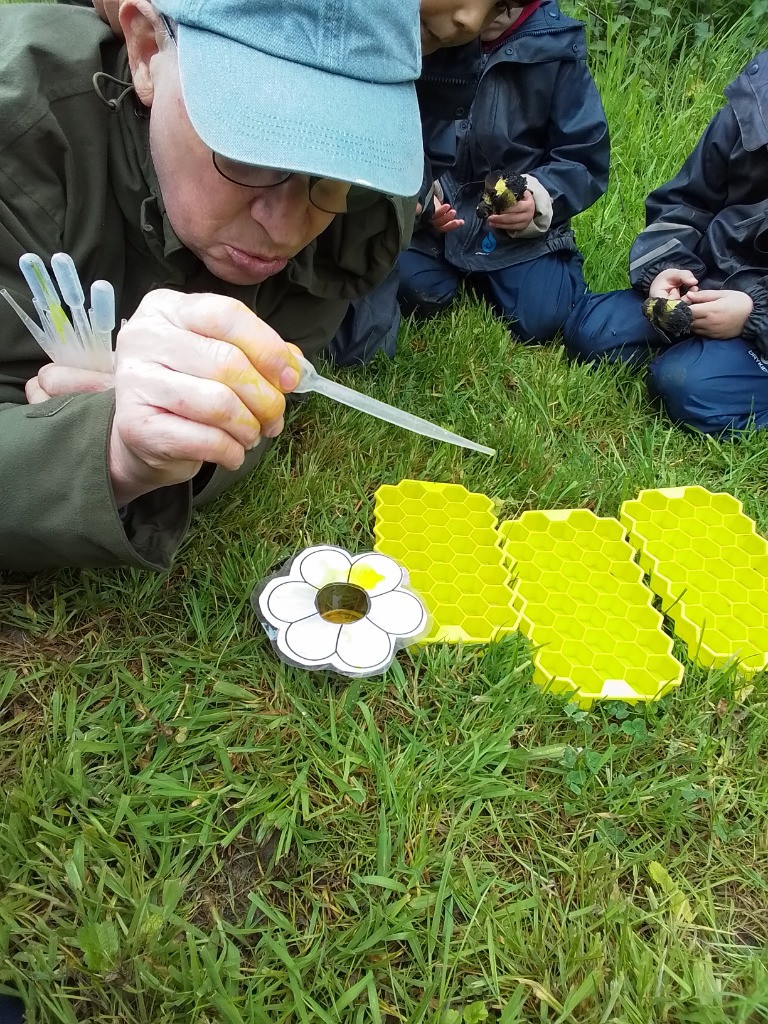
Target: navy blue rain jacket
point(537, 111)
point(712, 218)
point(445, 89)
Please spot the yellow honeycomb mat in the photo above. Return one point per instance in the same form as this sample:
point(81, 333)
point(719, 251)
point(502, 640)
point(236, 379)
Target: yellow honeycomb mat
point(709, 566)
point(446, 538)
point(584, 605)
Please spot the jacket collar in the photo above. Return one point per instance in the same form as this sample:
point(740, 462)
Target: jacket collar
point(547, 34)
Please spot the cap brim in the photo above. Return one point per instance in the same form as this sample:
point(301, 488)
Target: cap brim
point(270, 112)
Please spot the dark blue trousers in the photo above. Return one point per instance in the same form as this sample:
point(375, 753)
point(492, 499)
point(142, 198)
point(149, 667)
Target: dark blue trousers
point(534, 297)
point(11, 1010)
point(708, 385)
point(371, 325)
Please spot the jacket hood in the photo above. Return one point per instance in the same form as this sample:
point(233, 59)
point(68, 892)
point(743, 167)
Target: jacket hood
point(748, 96)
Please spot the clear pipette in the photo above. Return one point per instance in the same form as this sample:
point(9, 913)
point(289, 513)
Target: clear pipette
point(47, 298)
point(72, 292)
point(102, 315)
point(312, 381)
point(41, 337)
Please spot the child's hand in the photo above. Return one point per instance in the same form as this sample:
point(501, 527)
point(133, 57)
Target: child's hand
point(517, 218)
point(719, 313)
point(668, 283)
point(444, 218)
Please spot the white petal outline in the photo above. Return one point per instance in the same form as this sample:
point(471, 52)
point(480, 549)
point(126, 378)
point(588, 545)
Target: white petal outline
point(289, 601)
point(320, 566)
point(311, 641)
point(390, 573)
point(363, 647)
point(299, 634)
point(399, 613)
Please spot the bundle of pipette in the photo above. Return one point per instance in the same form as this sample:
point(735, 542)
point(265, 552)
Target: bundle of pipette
point(85, 342)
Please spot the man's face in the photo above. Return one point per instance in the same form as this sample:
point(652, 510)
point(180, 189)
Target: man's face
point(453, 22)
point(243, 235)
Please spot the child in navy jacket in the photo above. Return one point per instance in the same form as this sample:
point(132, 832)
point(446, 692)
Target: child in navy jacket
point(537, 112)
point(706, 240)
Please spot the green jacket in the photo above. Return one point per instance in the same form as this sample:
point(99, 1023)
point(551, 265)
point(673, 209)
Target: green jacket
point(76, 176)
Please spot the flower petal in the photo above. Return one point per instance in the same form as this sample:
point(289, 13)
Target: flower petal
point(289, 601)
point(398, 613)
point(311, 641)
point(362, 646)
point(375, 573)
point(321, 566)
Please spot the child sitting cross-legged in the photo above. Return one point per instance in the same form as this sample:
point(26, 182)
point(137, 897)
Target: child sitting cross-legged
point(536, 114)
point(702, 260)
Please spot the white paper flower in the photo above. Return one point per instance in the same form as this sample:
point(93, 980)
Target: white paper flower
point(350, 613)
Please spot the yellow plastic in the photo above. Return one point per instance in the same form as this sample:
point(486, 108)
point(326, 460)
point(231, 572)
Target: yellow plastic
point(709, 566)
point(584, 605)
point(446, 538)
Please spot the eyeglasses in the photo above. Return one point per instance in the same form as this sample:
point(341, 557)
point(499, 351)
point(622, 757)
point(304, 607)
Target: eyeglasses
point(326, 194)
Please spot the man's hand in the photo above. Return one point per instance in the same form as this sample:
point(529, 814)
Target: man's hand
point(517, 218)
point(444, 218)
point(198, 378)
point(109, 11)
point(719, 313)
point(668, 284)
point(54, 381)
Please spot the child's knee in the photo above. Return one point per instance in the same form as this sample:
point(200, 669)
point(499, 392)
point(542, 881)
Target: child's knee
point(583, 342)
point(538, 326)
point(426, 295)
point(607, 327)
point(689, 394)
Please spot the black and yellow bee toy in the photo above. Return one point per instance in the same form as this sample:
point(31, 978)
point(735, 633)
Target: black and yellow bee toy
point(500, 193)
point(670, 316)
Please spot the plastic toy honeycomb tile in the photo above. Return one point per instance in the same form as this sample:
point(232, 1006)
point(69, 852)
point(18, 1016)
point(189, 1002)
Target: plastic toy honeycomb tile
point(446, 538)
point(584, 605)
point(709, 566)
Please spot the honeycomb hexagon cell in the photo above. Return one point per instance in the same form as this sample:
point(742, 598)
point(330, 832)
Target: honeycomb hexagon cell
point(605, 639)
point(452, 552)
point(721, 616)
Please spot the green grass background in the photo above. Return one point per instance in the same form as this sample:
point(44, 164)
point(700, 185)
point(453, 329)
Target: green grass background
point(191, 832)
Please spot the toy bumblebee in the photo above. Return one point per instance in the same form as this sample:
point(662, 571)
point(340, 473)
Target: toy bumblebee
point(670, 316)
point(500, 193)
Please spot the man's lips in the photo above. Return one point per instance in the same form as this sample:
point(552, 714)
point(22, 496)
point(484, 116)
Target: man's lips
point(250, 262)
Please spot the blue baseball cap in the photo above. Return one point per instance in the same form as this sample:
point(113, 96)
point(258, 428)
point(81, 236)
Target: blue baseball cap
point(320, 87)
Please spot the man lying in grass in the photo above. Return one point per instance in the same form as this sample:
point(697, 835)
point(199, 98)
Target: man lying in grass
point(163, 164)
point(703, 257)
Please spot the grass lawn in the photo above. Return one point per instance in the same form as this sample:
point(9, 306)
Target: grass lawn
point(191, 833)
